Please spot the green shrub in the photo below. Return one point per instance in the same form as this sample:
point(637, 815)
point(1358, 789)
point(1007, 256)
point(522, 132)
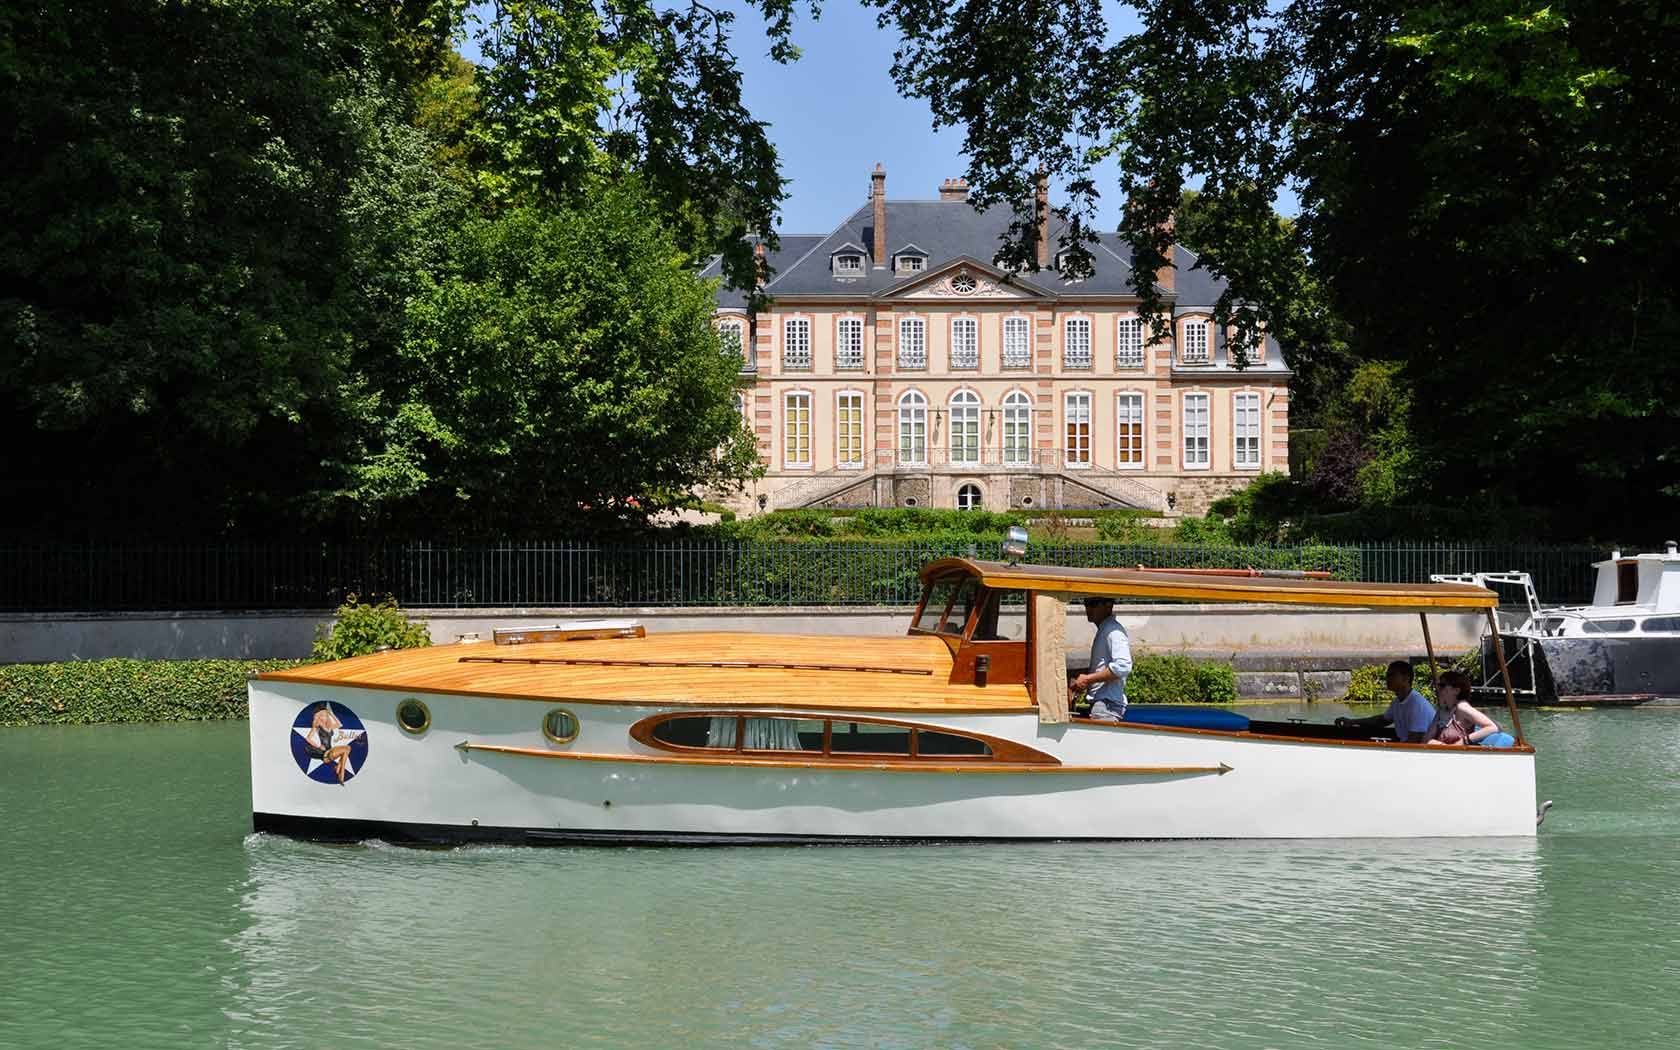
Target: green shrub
point(1168, 678)
point(1216, 683)
point(362, 628)
point(1370, 683)
point(87, 692)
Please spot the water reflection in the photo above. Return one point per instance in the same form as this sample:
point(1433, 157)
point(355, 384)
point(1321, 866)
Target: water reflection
point(865, 947)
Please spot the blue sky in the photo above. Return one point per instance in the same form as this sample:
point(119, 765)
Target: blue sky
point(835, 113)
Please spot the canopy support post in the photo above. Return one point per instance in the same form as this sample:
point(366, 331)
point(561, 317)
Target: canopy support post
point(1429, 647)
point(1049, 655)
point(1505, 673)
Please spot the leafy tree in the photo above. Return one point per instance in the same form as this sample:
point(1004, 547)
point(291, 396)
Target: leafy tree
point(197, 256)
point(565, 369)
point(1487, 188)
point(580, 91)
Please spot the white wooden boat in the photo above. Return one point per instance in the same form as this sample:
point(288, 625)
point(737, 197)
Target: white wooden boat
point(954, 732)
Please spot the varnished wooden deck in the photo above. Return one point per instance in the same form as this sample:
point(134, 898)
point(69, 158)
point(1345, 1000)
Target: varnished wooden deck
point(891, 674)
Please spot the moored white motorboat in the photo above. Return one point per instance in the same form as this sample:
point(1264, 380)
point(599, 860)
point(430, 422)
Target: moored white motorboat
point(954, 732)
point(1623, 648)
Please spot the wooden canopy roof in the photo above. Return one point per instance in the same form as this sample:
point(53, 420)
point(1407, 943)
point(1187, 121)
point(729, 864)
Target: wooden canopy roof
point(1129, 583)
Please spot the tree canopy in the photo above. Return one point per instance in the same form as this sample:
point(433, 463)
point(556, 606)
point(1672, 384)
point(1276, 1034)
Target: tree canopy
point(274, 282)
point(1488, 197)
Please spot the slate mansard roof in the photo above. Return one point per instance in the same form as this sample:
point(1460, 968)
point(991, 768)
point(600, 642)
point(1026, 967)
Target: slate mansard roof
point(953, 231)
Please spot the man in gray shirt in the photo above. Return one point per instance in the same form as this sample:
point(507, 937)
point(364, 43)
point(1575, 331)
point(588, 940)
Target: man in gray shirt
point(1111, 662)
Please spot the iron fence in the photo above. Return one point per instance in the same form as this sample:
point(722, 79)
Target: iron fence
point(58, 578)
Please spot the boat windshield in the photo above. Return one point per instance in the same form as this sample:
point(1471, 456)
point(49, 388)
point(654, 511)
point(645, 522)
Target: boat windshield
point(947, 604)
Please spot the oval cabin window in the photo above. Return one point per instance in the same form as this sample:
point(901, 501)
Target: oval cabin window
point(814, 737)
point(560, 726)
point(413, 716)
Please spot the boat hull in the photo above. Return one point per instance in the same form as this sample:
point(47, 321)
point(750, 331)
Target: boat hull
point(512, 784)
point(1589, 670)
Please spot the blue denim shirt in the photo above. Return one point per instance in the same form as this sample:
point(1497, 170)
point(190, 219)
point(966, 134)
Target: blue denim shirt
point(1112, 648)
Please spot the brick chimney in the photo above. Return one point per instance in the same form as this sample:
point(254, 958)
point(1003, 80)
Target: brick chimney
point(953, 190)
point(1041, 213)
point(1166, 276)
point(878, 195)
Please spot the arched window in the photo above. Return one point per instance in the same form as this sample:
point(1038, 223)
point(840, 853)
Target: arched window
point(912, 428)
point(1017, 429)
point(968, 497)
point(965, 427)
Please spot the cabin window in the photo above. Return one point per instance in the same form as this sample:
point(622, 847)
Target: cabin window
point(1607, 626)
point(843, 737)
point(413, 716)
point(948, 604)
point(1661, 625)
point(560, 726)
point(869, 738)
point(930, 742)
point(1003, 618)
point(1627, 583)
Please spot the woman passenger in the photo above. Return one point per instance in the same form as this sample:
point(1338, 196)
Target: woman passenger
point(1458, 723)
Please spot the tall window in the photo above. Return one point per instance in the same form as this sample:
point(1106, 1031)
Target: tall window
point(796, 430)
point(1129, 428)
point(912, 343)
point(1017, 429)
point(734, 332)
point(965, 342)
point(1195, 430)
point(1245, 429)
point(848, 429)
point(912, 428)
point(1196, 342)
point(1077, 349)
point(1017, 342)
point(796, 343)
point(965, 427)
point(848, 351)
point(1128, 343)
point(1076, 413)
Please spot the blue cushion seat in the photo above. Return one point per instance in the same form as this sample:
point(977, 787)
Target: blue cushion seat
point(1186, 717)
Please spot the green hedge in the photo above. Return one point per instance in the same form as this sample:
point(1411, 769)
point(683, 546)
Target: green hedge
point(1167, 678)
point(93, 691)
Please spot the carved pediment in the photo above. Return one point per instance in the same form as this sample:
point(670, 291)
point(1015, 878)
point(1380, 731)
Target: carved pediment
point(964, 282)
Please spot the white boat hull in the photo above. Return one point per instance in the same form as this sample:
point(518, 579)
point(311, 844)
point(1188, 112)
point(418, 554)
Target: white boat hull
point(424, 787)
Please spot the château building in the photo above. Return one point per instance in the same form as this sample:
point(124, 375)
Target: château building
point(898, 366)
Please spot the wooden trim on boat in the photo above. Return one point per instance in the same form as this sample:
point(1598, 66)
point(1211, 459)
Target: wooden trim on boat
point(1005, 751)
point(862, 764)
point(1128, 583)
point(731, 665)
point(941, 707)
point(1233, 734)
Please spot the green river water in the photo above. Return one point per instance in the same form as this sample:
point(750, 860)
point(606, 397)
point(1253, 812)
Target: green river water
point(136, 910)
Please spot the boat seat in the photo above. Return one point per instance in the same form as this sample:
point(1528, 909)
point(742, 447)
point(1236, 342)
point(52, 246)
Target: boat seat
point(1185, 717)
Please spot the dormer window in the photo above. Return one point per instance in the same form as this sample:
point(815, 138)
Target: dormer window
point(846, 260)
point(909, 259)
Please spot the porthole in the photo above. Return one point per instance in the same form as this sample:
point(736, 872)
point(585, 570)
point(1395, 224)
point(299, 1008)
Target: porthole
point(909, 501)
point(560, 726)
point(1026, 501)
point(413, 717)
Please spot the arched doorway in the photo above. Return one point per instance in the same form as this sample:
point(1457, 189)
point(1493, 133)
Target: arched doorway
point(968, 497)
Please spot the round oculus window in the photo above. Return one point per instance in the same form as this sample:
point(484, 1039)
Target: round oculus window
point(560, 726)
point(413, 716)
point(963, 284)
